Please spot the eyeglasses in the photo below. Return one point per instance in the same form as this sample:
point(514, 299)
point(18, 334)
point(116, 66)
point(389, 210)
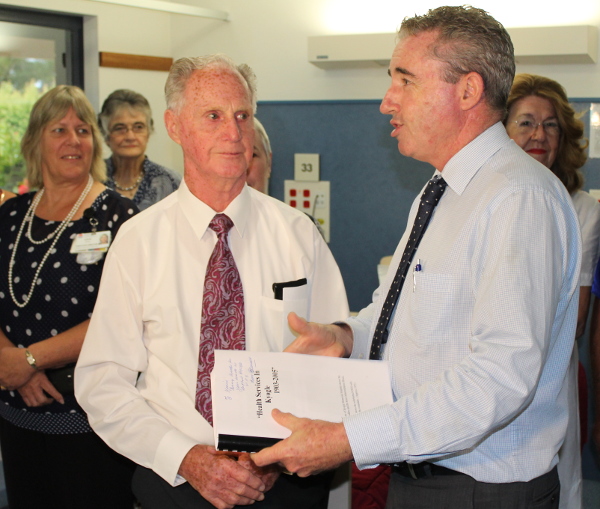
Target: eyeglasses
point(528, 127)
point(122, 129)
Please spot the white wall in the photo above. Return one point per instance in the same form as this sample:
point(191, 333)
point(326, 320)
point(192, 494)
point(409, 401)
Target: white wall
point(271, 36)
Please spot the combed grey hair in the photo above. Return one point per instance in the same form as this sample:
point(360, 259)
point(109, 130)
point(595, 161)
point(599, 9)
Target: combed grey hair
point(124, 99)
point(469, 40)
point(182, 70)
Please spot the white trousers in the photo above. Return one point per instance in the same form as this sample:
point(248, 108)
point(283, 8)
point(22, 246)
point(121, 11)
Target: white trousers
point(569, 455)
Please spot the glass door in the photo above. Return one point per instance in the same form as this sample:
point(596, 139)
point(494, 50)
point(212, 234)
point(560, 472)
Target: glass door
point(37, 51)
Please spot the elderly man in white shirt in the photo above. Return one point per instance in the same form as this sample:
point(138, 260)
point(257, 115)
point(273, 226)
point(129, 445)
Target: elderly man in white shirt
point(138, 371)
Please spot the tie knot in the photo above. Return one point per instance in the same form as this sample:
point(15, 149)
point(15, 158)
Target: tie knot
point(220, 224)
point(435, 189)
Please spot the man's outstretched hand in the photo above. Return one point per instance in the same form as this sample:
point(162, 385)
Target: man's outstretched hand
point(319, 339)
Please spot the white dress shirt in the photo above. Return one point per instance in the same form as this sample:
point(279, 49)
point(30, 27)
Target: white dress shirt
point(147, 316)
point(479, 344)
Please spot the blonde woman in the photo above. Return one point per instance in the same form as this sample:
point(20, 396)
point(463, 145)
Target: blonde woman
point(50, 266)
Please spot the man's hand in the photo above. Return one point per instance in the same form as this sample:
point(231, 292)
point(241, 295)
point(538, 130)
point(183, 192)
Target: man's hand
point(39, 391)
point(15, 371)
point(320, 339)
point(220, 479)
point(313, 447)
point(268, 474)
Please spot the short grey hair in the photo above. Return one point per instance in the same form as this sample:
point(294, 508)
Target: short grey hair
point(124, 99)
point(469, 40)
point(182, 70)
point(259, 129)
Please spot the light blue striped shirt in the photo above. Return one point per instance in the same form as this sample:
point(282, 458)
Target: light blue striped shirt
point(481, 338)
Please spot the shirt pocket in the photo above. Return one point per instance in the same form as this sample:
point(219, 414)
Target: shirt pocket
point(274, 324)
point(441, 308)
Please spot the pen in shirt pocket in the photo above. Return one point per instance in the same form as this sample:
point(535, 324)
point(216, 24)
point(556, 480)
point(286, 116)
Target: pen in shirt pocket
point(415, 270)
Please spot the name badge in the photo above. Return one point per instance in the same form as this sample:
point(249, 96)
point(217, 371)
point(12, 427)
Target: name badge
point(91, 242)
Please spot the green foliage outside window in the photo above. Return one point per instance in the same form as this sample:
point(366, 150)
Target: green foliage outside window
point(22, 83)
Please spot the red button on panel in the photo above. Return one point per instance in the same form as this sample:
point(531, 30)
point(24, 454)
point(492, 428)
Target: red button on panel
point(307, 193)
point(292, 192)
point(306, 204)
point(292, 203)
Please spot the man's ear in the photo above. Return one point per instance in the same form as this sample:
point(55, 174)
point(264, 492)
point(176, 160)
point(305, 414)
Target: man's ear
point(471, 90)
point(172, 125)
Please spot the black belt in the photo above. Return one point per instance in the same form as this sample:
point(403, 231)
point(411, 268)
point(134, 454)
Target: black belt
point(420, 470)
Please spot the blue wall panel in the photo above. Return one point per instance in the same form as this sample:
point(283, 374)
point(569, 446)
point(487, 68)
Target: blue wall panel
point(372, 185)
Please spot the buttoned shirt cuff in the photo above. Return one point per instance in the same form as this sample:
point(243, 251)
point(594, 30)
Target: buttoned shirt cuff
point(170, 453)
point(373, 437)
point(361, 341)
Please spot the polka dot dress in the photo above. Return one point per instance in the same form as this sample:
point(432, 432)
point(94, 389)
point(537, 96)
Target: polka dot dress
point(64, 296)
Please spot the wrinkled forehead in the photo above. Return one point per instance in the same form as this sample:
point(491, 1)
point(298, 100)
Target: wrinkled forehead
point(62, 111)
point(533, 106)
point(417, 47)
point(129, 113)
point(216, 83)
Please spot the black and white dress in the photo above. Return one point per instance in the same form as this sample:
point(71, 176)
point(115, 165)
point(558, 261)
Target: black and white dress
point(64, 297)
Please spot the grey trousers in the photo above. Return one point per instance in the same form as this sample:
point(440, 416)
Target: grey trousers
point(464, 492)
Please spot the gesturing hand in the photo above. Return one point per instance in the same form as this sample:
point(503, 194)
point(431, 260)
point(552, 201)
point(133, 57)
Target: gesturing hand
point(319, 339)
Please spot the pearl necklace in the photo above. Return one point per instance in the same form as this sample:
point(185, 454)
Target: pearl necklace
point(60, 228)
point(55, 234)
point(130, 188)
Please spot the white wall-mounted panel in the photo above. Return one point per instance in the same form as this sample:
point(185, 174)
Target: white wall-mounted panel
point(325, 51)
point(533, 45)
point(555, 45)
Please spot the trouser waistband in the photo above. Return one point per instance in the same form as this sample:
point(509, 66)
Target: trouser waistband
point(424, 469)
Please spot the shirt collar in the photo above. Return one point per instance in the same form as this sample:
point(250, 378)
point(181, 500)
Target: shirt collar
point(463, 166)
point(199, 214)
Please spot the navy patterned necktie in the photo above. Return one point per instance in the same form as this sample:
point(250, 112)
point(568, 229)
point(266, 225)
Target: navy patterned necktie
point(429, 199)
point(223, 319)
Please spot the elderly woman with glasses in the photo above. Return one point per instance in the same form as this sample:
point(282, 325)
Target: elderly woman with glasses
point(126, 123)
point(543, 123)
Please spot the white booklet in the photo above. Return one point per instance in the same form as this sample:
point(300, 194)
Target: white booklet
point(246, 386)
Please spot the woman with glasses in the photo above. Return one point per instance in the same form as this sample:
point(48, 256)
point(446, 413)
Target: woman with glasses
point(543, 123)
point(126, 123)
